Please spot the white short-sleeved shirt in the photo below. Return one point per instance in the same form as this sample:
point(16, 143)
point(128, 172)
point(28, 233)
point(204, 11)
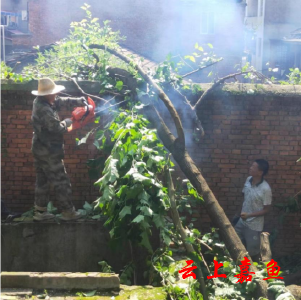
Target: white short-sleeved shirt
point(255, 197)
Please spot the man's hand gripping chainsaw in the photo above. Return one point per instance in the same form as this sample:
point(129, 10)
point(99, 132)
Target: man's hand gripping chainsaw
point(82, 115)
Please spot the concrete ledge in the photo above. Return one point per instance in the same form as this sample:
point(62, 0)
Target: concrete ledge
point(55, 280)
point(15, 279)
point(15, 292)
point(246, 89)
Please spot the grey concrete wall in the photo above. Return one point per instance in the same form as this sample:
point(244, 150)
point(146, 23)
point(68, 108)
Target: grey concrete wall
point(65, 247)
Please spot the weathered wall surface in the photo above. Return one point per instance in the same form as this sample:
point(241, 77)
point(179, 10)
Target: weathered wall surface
point(52, 247)
point(49, 246)
point(240, 126)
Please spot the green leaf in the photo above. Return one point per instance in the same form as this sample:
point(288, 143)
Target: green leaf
point(145, 242)
point(90, 294)
point(147, 211)
point(192, 58)
point(144, 197)
point(158, 220)
point(119, 85)
point(210, 45)
point(96, 144)
point(50, 208)
point(166, 238)
point(108, 193)
point(94, 20)
point(96, 217)
point(140, 178)
point(110, 171)
point(125, 211)
point(84, 139)
point(138, 219)
point(88, 207)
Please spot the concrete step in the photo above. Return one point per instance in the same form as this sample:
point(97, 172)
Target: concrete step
point(7, 294)
point(125, 293)
point(60, 280)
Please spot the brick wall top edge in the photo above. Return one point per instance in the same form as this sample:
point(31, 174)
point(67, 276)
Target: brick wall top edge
point(234, 89)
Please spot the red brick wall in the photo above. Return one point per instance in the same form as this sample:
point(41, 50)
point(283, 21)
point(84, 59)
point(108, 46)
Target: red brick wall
point(239, 128)
point(242, 129)
point(18, 174)
point(25, 40)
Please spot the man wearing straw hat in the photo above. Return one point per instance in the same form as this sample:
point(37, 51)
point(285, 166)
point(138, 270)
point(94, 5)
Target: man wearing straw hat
point(48, 149)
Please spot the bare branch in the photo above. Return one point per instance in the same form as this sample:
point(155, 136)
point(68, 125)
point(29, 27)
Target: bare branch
point(201, 68)
point(94, 55)
point(98, 113)
point(194, 116)
point(222, 80)
point(82, 91)
point(204, 244)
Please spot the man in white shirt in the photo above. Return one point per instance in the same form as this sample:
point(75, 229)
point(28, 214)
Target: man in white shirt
point(257, 203)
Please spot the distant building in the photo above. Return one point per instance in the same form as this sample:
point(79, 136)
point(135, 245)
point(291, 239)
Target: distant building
point(272, 39)
point(14, 25)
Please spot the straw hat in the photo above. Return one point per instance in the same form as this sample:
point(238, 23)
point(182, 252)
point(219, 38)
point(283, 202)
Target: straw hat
point(46, 86)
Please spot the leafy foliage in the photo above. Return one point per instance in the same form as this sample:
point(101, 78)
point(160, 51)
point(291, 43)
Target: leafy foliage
point(71, 56)
point(294, 77)
point(133, 198)
point(168, 72)
point(105, 267)
point(8, 73)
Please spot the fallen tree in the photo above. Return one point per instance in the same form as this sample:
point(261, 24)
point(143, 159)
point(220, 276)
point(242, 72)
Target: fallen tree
point(176, 146)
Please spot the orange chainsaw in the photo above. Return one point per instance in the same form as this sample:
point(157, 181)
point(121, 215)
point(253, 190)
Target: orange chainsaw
point(82, 115)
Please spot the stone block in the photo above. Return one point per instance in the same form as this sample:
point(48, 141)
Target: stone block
point(15, 279)
point(56, 280)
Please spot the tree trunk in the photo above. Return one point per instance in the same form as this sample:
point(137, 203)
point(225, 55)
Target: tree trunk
point(215, 211)
point(265, 249)
point(295, 291)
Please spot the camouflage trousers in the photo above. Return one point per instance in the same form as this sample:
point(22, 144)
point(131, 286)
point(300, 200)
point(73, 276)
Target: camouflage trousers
point(51, 170)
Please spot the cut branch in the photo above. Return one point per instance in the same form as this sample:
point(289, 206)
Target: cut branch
point(174, 114)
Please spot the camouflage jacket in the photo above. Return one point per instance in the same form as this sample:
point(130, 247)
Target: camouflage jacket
point(48, 128)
